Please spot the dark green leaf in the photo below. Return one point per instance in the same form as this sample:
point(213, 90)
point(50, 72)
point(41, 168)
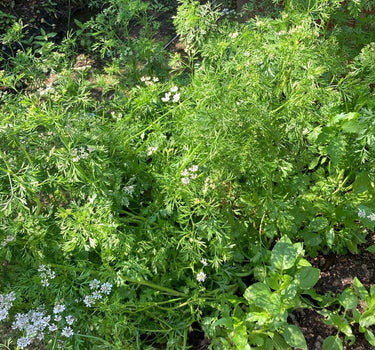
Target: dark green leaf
point(360, 289)
point(283, 256)
point(332, 343)
point(367, 319)
point(370, 337)
point(308, 276)
point(348, 299)
point(280, 343)
point(258, 294)
point(294, 337)
point(318, 224)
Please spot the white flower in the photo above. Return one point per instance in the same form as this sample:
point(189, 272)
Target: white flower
point(201, 276)
point(7, 240)
point(106, 288)
point(193, 176)
point(97, 295)
point(21, 321)
point(3, 314)
point(371, 217)
point(88, 300)
point(166, 97)
point(70, 319)
point(58, 308)
point(46, 274)
point(176, 97)
point(185, 180)
point(151, 150)
point(155, 79)
point(45, 283)
point(128, 190)
point(52, 327)
point(174, 89)
point(6, 302)
point(23, 342)
point(95, 284)
point(42, 268)
point(233, 35)
point(185, 172)
point(58, 318)
point(204, 262)
point(361, 213)
point(194, 168)
point(67, 332)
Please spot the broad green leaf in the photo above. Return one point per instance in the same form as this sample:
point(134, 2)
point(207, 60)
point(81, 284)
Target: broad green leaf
point(314, 162)
point(349, 336)
point(303, 262)
point(258, 294)
point(360, 289)
point(356, 315)
point(348, 299)
point(307, 277)
point(332, 343)
point(371, 248)
point(273, 280)
point(256, 338)
point(312, 239)
point(268, 345)
point(227, 322)
point(259, 317)
point(294, 337)
point(283, 256)
point(318, 224)
point(240, 337)
point(289, 290)
point(330, 237)
point(362, 183)
point(334, 320)
point(367, 319)
point(370, 337)
point(275, 304)
point(280, 343)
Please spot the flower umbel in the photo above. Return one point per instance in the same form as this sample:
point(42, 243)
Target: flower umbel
point(201, 276)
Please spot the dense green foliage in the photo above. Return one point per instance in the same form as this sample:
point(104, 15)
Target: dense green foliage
point(162, 191)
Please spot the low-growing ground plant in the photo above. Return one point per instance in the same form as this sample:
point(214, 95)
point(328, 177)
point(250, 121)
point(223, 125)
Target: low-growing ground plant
point(142, 197)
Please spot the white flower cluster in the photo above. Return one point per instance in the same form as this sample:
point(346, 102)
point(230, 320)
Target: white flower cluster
point(208, 184)
point(362, 214)
point(129, 189)
point(81, 153)
point(151, 150)
point(6, 302)
point(175, 97)
point(201, 276)
point(149, 80)
point(7, 240)
point(233, 35)
point(98, 290)
point(189, 174)
point(35, 323)
point(48, 89)
point(46, 274)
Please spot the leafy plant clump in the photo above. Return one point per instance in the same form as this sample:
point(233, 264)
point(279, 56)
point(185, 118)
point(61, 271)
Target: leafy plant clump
point(151, 192)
